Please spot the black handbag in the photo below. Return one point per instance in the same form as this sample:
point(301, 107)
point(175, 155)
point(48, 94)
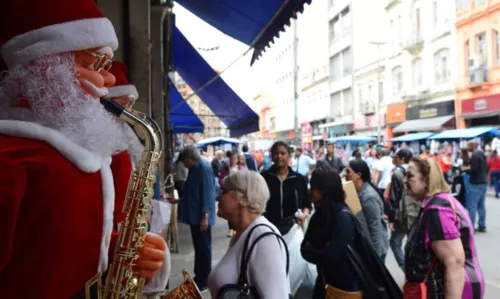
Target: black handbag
point(242, 289)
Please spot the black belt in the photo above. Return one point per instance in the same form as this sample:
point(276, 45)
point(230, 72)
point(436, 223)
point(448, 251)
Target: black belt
point(90, 289)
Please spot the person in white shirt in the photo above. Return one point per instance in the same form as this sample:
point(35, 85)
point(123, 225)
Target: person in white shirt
point(243, 198)
point(384, 168)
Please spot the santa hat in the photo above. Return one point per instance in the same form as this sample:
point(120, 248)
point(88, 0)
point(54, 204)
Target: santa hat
point(122, 87)
point(34, 28)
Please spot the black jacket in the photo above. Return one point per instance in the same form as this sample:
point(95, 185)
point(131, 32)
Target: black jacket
point(395, 193)
point(478, 168)
point(287, 197)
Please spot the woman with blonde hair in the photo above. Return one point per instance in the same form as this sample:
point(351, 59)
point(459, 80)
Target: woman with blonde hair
point(440, 250)
point(243, 199)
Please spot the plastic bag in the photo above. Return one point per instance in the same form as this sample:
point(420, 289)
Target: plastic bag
point(161, 216)
point(311, 271)
point(298, 265)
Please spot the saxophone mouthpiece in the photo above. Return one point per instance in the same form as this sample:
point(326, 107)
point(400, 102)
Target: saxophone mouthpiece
point(112, 107)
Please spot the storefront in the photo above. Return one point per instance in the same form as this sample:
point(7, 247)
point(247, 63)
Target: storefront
point(483, 111)
point(307, 136)
point(428, 118)
point(340, 127)
point(368, 125)
point(320, 135)
point(395, 115)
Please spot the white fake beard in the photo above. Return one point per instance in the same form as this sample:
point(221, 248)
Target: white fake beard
point(57, 101)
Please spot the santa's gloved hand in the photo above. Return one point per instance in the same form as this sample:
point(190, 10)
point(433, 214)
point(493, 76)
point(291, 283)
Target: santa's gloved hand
point(151, 256)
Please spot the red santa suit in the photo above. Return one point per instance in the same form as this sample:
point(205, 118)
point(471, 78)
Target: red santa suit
point(59, 201)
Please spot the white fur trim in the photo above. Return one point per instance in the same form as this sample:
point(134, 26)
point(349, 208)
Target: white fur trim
point(108, 202)
point(77, 155)
point(59, 38)
point(122, 91)
point(160, 280)
point(106, 51)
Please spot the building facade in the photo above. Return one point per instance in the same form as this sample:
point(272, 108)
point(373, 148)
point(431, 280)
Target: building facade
point(214, 127)
point(314, 99)
point(420, 56)
point(478, 47)
point(340, 55)
point(369, 43)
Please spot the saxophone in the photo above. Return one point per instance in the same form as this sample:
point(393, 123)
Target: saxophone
point(122, 281)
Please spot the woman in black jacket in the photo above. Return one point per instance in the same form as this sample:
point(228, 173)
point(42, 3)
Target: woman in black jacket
point(288, 190)
point(331, 229)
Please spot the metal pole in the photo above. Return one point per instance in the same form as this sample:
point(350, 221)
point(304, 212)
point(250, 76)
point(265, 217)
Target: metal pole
point(295, 84)
point(379, 100)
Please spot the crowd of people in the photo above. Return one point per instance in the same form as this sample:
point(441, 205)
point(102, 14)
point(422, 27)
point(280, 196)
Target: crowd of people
point(401, 195)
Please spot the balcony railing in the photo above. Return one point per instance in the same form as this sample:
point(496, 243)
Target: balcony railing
point(414, 43)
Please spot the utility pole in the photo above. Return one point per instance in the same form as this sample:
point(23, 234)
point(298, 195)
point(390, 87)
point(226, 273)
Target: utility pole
point(295, 85)
point(379, 95)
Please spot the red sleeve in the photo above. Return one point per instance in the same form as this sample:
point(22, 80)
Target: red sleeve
point(12, 187)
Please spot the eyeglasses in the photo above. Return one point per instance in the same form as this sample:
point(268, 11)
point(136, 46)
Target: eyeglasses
point(103, 61)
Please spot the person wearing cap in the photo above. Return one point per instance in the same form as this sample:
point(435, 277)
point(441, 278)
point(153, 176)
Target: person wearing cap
point(402, 208)
point(61, 187)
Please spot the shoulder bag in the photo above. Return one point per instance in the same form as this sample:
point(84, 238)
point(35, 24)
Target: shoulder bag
point(242, 289)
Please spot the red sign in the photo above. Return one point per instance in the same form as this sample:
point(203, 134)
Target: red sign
point(481, 104)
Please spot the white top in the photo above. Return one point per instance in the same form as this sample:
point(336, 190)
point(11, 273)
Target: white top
point(385, 166)
point(266, 268)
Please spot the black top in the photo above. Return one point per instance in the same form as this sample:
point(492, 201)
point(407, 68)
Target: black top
point(325, 245)
point(478, 168)
point(287, 196)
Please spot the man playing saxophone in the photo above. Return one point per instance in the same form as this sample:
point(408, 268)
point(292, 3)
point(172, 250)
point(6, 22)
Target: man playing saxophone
point(64, 168)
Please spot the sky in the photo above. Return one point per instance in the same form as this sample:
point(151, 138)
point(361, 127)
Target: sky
point(240, 76)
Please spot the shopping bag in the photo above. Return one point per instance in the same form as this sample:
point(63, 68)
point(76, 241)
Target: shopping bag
point(298, 265)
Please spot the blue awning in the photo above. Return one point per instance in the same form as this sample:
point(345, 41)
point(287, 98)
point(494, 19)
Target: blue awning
point(253, 22)
point(183, 118)
point(218, 141)
point(219, 97)
point(468, 133)
point(412, 137)
point(353, 138)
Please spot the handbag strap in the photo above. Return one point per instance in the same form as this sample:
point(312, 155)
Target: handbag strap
point(247, 252)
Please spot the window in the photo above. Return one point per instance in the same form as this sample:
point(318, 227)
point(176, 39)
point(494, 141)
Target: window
point(435, 14)
point(360, 98)
point(481, 47)
point(334, 29)
point(347, 99)
point(335, 104)
point(400, 36)
point(468, 60)
point(417, 22)
point(417, 72)
point(346, 21)
point(496, 47)
point(380, 92)
point(479, 3)
point(461, 4)
point(346, 62)
point(370, 94)
point(441, 67)
point(335, 67)
point(397, 80)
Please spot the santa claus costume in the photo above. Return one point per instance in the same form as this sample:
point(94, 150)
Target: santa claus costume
point(62, 185)
point(123, 89)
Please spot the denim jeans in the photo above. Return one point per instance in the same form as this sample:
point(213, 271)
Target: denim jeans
point(476, 204)
point(495, 181)
point(202, 242)
point(396, 243)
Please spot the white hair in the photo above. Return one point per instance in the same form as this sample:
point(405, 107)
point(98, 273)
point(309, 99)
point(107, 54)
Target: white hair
point(251, 189)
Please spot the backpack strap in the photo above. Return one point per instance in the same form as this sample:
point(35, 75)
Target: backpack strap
point(247, 252)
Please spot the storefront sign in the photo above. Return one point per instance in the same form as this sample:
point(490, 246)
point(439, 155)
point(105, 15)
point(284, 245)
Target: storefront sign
point(396, 113)
point(431, 110)
point(482, 104)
